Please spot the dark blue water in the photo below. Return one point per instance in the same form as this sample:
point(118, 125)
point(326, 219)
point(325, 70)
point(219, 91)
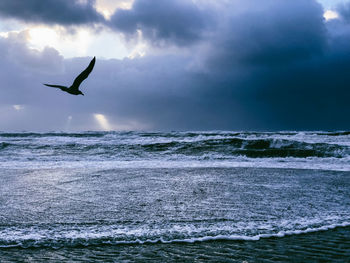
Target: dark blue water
point(65, 191)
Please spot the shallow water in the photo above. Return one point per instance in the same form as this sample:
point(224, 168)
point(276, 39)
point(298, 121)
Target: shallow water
point(70, 207)
point(323, 246)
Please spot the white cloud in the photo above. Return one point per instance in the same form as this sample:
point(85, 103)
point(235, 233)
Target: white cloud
point(330, 14)
point(18, 107)
point(67, 44)
point(84, 42)
point(107, 7)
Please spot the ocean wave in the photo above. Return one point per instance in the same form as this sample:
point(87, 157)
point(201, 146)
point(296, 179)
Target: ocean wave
point(252, 148)
point(4, 145)
point(260, 148)
point(300, 150)
point(344, 133)
point(39, 238)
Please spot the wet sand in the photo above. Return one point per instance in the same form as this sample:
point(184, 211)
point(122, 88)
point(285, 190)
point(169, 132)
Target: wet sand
point(324, 246)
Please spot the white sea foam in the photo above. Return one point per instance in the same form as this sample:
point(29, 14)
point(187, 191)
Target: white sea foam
point(36, 237)
point(313, 163)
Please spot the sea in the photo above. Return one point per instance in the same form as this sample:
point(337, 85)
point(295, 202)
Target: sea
point(214, 196)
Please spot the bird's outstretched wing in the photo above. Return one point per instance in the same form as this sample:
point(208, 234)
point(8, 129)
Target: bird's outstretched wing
point(83, 75)
point(57, 86)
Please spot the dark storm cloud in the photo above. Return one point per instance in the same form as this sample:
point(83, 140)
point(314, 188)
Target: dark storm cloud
point(277, 65)
point(271, 65)
point(64, 12)
point(174, 21)
point(274, 32)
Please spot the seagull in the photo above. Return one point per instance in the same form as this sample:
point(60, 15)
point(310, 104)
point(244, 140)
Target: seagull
point(74, 89)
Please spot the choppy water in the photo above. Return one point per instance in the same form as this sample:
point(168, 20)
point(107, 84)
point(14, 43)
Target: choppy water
point(61, 190)
point(309, 150)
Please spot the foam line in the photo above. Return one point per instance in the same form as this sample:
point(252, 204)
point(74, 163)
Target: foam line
point(108, 240)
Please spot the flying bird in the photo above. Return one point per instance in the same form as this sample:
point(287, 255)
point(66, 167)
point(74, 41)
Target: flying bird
point(74, 89)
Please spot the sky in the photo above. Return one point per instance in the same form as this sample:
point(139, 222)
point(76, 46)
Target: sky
point(175, 65)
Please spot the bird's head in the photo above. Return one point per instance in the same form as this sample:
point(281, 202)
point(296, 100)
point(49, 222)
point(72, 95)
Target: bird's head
point(81, 93)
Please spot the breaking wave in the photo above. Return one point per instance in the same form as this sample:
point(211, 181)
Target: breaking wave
point(63, 236)
point(224, 147)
